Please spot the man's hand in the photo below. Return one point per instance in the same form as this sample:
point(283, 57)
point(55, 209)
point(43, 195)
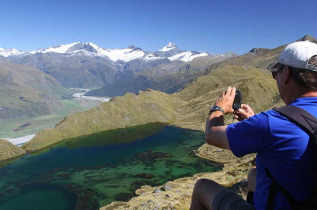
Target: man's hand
point(215, 129)
point(225, 101)
point(243, 113)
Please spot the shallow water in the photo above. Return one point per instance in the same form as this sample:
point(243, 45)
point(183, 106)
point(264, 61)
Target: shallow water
point(92, 171)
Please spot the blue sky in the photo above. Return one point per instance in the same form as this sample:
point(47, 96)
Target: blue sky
point(206, 25)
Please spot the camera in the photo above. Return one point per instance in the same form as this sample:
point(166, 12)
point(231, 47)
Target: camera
point(237, 100)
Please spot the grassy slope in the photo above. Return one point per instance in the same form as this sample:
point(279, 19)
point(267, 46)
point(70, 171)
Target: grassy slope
point(129, 110)
point(8, 150)
point(257, 86)
point(27, 91)
point(27, 82)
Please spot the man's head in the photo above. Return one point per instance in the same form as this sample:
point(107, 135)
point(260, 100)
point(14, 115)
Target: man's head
point(301, 59)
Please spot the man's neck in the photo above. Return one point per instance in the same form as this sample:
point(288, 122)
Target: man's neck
point(300, 95)
point(310, 94)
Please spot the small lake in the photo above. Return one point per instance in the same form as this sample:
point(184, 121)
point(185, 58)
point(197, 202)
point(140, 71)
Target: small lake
point(92, 171)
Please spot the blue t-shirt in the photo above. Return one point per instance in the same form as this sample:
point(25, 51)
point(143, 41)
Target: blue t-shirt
point(282, 147)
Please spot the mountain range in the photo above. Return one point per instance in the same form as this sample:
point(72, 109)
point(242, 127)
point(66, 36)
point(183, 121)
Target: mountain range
point(30, 81)
point(86, 65)
point(170, 52)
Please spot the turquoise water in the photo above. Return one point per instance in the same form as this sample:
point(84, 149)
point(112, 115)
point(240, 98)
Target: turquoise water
point(92, 171)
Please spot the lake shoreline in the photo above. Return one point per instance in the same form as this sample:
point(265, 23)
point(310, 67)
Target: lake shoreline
point(176, 194)
point(159, 143)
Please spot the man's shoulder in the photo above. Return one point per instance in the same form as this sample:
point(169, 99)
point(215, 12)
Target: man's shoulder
point(265, 115)
point(309, 104)
point(258, 121)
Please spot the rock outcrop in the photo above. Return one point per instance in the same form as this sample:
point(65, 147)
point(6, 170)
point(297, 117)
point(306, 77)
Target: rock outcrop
point(177, 194)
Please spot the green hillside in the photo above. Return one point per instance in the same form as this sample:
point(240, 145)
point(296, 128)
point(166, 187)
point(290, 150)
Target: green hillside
point(129, 110)
point(257, 86)
point(26, 91)
point(8, 150)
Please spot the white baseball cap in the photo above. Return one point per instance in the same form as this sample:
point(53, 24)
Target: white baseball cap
point(297, 55)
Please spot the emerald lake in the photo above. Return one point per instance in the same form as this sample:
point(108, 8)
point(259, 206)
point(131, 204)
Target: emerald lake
point(89, 172)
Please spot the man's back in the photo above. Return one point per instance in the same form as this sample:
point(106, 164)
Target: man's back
point(282, 147)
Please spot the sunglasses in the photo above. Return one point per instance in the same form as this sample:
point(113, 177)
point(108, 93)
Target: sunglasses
point(274, 73)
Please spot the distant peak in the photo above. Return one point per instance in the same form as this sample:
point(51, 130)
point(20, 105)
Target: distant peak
point(69, 48)
point(9, 52)
point(307, 37)
point(89, 44)
point(168, 47)
point(133, 47)
point(170, 44)
point(254, 51)
point(85, 44)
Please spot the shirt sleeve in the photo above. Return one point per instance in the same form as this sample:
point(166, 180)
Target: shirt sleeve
point(248, 136)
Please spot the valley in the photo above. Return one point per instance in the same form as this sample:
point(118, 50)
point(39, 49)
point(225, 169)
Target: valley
point(23, 129)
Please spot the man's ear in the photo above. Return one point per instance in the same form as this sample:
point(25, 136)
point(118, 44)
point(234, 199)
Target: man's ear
point(286, 75)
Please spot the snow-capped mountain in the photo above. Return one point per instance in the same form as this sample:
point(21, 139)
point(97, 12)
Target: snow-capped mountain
point(168, 47)
point(187, 56)
point(91, 49)
point(9, 52)
point(170, 51)
point(87, 65)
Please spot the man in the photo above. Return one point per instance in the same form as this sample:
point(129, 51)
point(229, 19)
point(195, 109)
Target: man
point(282, 148)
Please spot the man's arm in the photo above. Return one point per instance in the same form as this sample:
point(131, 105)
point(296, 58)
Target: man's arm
point(215, 133)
